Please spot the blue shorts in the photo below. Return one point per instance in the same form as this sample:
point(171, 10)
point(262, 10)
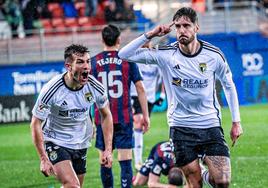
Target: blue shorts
point(123, 137)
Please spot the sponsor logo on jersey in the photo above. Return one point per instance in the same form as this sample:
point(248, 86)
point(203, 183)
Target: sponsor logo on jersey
point(73, 113)
point(190, 83)
point(64, 103)
point(202, 67)
point(177, 67)
point(89, 97)
point(176, 81)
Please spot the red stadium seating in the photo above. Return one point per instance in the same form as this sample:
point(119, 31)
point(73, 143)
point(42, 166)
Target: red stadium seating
point(56, 10)
point(46, 23)
point(81, 8)
point(70, 22)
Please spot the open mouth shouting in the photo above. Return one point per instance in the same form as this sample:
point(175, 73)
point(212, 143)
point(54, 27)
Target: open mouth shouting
point(84, 76)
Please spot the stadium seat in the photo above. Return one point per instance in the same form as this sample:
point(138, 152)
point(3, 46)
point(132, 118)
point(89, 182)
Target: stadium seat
point(58, 25)
point(85, 24)
point(70, 22)
point(46, 23)
point(84, 21)
point(56, 10)
point(81, 8)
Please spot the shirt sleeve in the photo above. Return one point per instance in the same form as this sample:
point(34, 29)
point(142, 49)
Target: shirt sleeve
point(41, 109)
point(157, 167)
point(133, 52)
point(224, 74)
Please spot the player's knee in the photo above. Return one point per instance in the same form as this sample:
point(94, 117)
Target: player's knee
point(222, 183)
point(194, 180)
point(71, 184)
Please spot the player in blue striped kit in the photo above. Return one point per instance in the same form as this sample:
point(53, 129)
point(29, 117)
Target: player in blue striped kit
point(116, 75)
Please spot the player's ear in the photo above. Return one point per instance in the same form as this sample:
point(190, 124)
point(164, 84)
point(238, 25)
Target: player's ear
point(67, 65)
point(118, 40)
point(196, 27)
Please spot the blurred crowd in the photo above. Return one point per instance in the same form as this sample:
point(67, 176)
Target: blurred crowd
point(26, 12)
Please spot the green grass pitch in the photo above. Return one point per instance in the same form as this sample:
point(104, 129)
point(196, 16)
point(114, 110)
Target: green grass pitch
point(19, 163)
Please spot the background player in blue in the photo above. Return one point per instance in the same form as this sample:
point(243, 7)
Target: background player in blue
point(190, 68)
point(61, 124)
point(160, 161)
point(116, 75)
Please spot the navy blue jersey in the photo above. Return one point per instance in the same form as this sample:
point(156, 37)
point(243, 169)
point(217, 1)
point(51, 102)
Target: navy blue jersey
point(160, 160)
point(116, 76)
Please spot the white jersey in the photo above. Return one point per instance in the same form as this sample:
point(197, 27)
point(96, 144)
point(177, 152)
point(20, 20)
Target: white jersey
point(189, 82)
point(150, 75)
point(66, 112)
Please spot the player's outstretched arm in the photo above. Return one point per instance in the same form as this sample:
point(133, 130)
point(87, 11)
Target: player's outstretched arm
point(46, 166)
point(144, 105)
point(107, 128)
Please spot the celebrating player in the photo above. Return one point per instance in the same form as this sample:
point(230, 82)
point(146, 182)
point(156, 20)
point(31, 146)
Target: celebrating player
point(190, 67)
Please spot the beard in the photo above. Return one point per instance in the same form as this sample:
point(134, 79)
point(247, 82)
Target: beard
point(185, 40)
point(76, 77)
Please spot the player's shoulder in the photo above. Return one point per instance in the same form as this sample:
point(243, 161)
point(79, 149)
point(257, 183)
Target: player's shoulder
point(94, 83)
point(55, 82)
point(171, 46)
point(209, 48)
point(52, 87)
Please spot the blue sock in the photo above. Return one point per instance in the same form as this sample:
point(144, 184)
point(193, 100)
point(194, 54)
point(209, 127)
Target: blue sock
point(107, 178)
point(126, 173)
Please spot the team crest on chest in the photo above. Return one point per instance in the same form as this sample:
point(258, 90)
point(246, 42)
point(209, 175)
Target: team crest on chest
point(202, 67)
point(89, 97)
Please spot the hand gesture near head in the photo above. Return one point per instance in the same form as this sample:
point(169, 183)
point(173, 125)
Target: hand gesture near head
point(159, 31)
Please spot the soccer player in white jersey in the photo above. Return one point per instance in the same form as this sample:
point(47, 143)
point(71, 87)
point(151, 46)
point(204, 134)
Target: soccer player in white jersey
point(190, 67)
point(151, 75)
point(61, 125)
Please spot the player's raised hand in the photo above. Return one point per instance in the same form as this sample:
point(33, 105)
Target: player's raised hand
point(47, 168)
point(107, 158)
point(235, 132)
point(160, 30)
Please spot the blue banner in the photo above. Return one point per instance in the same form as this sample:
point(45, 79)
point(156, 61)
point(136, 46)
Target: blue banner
point(27, 79)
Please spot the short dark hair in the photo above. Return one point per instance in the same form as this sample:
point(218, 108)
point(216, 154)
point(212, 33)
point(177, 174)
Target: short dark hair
point(74, 49)
point(110, 34)
point(188, 12)
point(175, 176)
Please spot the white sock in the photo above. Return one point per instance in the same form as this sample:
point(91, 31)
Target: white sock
point(138, 137)
point(205, 177)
